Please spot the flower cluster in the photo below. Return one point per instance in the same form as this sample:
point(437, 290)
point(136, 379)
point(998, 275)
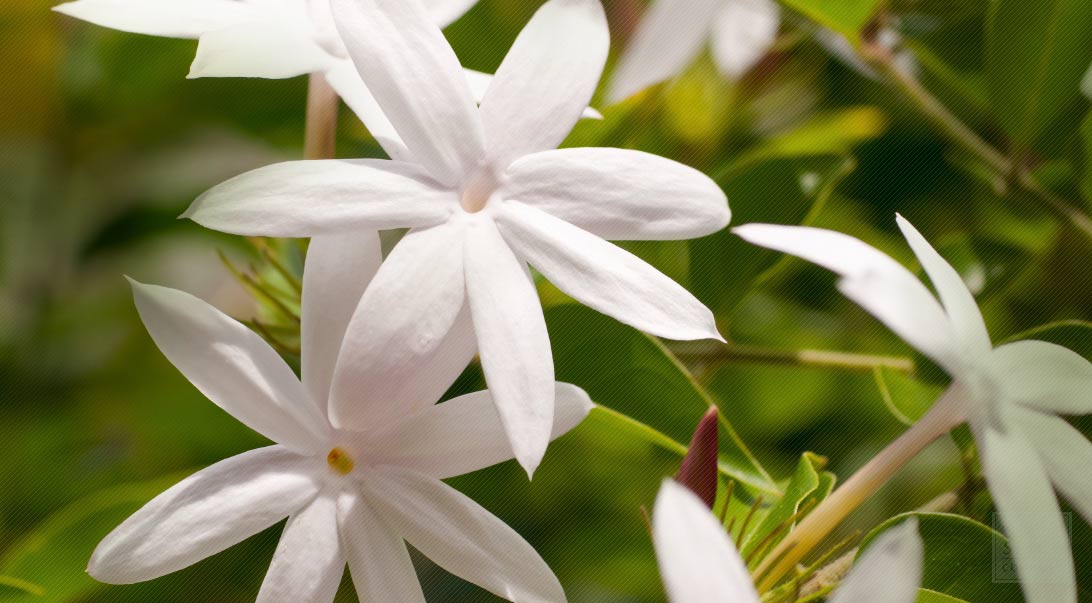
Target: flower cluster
point(476, 178)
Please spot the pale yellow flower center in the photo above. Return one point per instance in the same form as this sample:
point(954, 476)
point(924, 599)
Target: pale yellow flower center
point(340, 461)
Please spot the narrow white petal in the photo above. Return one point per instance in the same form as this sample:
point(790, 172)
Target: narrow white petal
point(605, 277)
point(446, 12)
point(411, 335)
point(168, 18)
point(698, 563)
point(888, 571)
point(619, 194)
point(417, 80)
point(269, 46)
point(1066, 455)
point(308, 564)
point(345, 80)
point(462, 537)
point(547, 80)
point(512, 337)
point(1044, 376)
point(479, 84)
point(204, 514)
point(465, 434)
point(1030, 514)
point(310, 198)
point(338, 270)
point(670, 35)
point(743, 32)
point(963, 312)
point(379, 563)
point(879, 284)
point(232, 366)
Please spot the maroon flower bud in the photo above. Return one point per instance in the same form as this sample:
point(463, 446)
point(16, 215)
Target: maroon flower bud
point(699, 467)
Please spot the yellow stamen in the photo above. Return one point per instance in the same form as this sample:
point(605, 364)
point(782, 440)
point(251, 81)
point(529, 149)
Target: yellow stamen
point(340, 461)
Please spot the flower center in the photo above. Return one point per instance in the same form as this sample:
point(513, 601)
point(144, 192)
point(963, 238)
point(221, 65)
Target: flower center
point(340, 461)
point(478, 190)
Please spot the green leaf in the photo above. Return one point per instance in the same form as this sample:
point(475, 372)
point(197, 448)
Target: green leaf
point(907, 398)
point(1086, 173)
point(1037, 53)
point(1073, 334)
point(962, 557)
point(782, 190)
point(10, 583)
point(847, 17)
point(809, 481)
point(931, 596)
point(634, 374)
point(827, 133)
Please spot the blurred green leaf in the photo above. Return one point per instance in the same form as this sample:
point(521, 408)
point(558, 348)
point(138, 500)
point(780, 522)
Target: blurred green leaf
point(906, 397)
point(634, 374)
point(783, 190)
point(986, 266)
point(1037, 53)
point(828, 133)
point(961, 556)
point(847, 17)
point(809, 482)
point(1086, 174)
point(11, 585)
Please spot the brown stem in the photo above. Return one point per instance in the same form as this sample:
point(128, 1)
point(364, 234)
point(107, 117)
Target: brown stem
point(320, 131)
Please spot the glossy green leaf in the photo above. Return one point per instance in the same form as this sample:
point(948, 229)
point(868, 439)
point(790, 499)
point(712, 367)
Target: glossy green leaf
point(808, 482)
point(782, 190)
point(1037, 53)
point(847, 17)
point(963, 558)
point(931, 596)
point(634, 374)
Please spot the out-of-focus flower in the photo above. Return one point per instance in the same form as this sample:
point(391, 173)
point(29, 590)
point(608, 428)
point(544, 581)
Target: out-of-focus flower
point(675, 31)
point(350, 497)
point(1010, 395)
point(699, 563)
point(489, 197)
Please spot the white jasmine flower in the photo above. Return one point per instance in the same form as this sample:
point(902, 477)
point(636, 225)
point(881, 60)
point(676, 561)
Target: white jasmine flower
point(674, 31)
point(350, 497)
point(1010, 395)
point(700, 564)
point(490, 196)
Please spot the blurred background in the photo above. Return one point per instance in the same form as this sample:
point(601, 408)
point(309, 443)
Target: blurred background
point(103, 143)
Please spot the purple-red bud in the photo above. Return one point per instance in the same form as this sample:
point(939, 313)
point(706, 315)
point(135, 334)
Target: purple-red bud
point(699, 467)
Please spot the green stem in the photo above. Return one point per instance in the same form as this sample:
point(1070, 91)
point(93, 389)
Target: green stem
point(731, 353)
point(23, 585)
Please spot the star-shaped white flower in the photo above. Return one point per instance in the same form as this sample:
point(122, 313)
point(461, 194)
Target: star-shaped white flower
point(489, 197)
point(1009, 395)
point(674, 31)
point(700, 564)
point(349, 496)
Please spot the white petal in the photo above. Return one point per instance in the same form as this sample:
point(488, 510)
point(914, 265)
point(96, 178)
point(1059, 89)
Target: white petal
point(204, 514)
point(345, 80)
point(309, 198)
point(743, 33)
point(308, 564)
point(546, 81)
point(670, 35)
point(465, 434)
point(169, 18)
point(462, 537)
point(338, 270)
point(411, 335)
point(963, 312)
point(379, 563)
point(619, 194)
point(605, 277)
point(232, 366)
point(1066, 455)
point(1044, 376)
point(446, 12)
point(877, 283)
point(698, 563)
point(888, 571)
point(417, 79)
point(479, 84)
point(268, 46)
point(514, 343)
point(1030, 514)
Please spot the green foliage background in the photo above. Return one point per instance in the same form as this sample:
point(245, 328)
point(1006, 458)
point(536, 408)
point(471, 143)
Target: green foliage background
point(103, 142)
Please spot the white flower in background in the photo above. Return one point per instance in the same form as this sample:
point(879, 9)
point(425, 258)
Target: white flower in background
point(489, 197)
point(268, 39)
point(1086, 83)
point(1009, 395)
point(673, 32)
point(700, 564)
point(349, 497)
